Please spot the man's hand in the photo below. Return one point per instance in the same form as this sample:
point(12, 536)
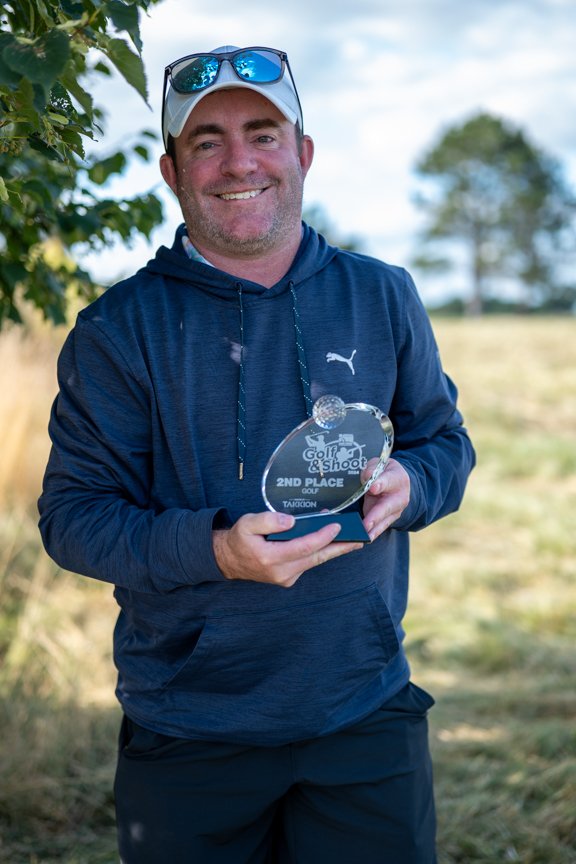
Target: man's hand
point(243, 553)
point(386, 498)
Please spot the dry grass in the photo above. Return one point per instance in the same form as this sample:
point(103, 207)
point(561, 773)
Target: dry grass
point(491, 623)
point(58, 715)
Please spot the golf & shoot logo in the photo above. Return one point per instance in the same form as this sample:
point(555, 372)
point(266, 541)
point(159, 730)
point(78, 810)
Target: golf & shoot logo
point(340, 454)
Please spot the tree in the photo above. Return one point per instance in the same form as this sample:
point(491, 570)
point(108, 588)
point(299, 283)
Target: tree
point(316, 216)
point(48, 192)
point(506, 201)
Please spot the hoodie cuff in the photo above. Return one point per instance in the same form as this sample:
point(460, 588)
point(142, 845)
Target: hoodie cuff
point(194, 542)
point(411, 513)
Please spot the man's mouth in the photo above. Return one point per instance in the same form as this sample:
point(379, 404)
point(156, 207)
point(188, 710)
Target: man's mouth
point(230, 196)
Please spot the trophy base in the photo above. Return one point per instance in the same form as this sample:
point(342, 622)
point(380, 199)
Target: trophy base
point(352, 529)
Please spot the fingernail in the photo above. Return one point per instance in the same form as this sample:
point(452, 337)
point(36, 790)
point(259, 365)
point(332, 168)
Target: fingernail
point(370, 526)
point(286, 520)
point(336, 530)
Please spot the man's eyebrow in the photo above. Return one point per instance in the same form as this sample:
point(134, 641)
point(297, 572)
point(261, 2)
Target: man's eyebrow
point(205, 129)
point(249, 126)
point(266, 123)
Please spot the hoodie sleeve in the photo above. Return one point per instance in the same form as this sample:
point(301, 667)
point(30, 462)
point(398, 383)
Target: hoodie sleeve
point(96, 513)
point(430, 440)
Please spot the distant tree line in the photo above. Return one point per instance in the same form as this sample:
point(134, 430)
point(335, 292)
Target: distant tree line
point(507, 204)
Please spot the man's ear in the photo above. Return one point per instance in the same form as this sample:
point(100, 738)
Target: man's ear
point(307, 154)
point(168, 172)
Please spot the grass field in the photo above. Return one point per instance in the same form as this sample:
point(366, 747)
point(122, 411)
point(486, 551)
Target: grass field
point(491, 623)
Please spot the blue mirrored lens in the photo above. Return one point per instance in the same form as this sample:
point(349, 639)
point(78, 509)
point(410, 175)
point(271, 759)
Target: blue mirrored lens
point(260, 66)
point(194, 74)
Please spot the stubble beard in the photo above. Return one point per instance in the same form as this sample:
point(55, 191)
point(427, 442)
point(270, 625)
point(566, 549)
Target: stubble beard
point(206, 229)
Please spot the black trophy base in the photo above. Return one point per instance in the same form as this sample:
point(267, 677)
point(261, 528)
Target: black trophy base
point(352, 529)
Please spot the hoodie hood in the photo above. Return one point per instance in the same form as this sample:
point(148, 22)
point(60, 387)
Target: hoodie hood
point(314, 254)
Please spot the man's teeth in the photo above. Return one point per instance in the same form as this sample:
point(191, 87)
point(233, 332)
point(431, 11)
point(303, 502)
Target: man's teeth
point(229, 196)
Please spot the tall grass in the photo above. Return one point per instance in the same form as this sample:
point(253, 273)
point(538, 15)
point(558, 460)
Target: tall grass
point(491, 622)
point(57, 711)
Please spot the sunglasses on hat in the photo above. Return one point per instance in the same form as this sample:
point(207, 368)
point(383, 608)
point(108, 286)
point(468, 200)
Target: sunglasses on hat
point(197, 71)
point(255, 65)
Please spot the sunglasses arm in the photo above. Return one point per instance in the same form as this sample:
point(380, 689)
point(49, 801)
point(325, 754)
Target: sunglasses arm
point(166, 73)
point(296, 92)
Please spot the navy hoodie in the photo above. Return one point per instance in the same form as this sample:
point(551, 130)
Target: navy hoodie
point(144, 465)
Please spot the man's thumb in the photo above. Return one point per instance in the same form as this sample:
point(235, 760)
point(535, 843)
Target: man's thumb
point(268, 523)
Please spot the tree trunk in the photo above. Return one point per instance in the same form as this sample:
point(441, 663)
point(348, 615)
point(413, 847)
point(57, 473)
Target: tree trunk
point(474, 305)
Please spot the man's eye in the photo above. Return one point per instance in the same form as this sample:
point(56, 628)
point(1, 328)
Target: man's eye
point(265, 139)
point(206, 145)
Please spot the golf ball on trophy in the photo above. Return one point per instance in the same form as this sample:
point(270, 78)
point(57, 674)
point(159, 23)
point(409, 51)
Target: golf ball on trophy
point(329, 412)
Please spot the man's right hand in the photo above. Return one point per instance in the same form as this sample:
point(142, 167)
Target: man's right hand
point(243, 553)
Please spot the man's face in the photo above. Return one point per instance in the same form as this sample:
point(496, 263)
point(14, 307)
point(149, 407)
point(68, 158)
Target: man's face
point(237, 143)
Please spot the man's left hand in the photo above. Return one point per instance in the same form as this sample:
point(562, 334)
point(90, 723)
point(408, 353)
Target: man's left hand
point(387, 498)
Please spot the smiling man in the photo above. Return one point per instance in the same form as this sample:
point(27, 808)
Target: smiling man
point(268, 710)
point(238, 169)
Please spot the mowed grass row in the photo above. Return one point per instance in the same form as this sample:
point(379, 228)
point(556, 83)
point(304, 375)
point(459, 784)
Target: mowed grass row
point(491, 622)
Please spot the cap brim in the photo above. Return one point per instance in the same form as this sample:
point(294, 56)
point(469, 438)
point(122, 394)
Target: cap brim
point(179, 106)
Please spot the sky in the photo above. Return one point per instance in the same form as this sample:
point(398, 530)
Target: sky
point(379, 82)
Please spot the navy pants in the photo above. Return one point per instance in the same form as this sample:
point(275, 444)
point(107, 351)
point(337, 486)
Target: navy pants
point(361, 796)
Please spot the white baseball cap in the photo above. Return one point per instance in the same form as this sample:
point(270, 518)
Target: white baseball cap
point(178, 105)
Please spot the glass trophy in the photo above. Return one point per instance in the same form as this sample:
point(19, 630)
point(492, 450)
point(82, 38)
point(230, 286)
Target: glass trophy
point(316, 471)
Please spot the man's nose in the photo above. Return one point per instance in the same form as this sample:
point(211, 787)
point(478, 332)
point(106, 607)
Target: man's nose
point(238, 159)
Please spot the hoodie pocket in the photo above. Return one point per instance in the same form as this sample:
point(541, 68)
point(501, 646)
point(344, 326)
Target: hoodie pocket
point(288, 669)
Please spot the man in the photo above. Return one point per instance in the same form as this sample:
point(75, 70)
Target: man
point(269, 715)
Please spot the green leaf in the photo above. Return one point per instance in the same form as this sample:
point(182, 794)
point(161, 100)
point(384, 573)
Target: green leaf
point(70, 82)
point(45, 149)
point(39, 100)
point(58, 119)
point(44, 13)
point(55, 313)
point(82, 130)
point(101, 171)
point(3, 190)
point(7, 75)
point(8, 310)
point(102, 68)
point(72, 8)
point(42, 61)
point(13, 272)
point(26, 98)
point(38, 191)
point(150, 134)
point(74, 139)
point(125, 18)
point(129, 65)
point(142, 152)
point(60, 101)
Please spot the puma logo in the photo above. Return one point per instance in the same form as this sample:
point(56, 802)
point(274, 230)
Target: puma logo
point(331, 356)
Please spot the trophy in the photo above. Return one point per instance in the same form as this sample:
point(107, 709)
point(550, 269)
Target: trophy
point(316, 471)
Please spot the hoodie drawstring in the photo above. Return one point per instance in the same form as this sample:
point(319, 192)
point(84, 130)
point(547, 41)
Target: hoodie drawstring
point(302, 365)
point(241, 434)
point(304, 377)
